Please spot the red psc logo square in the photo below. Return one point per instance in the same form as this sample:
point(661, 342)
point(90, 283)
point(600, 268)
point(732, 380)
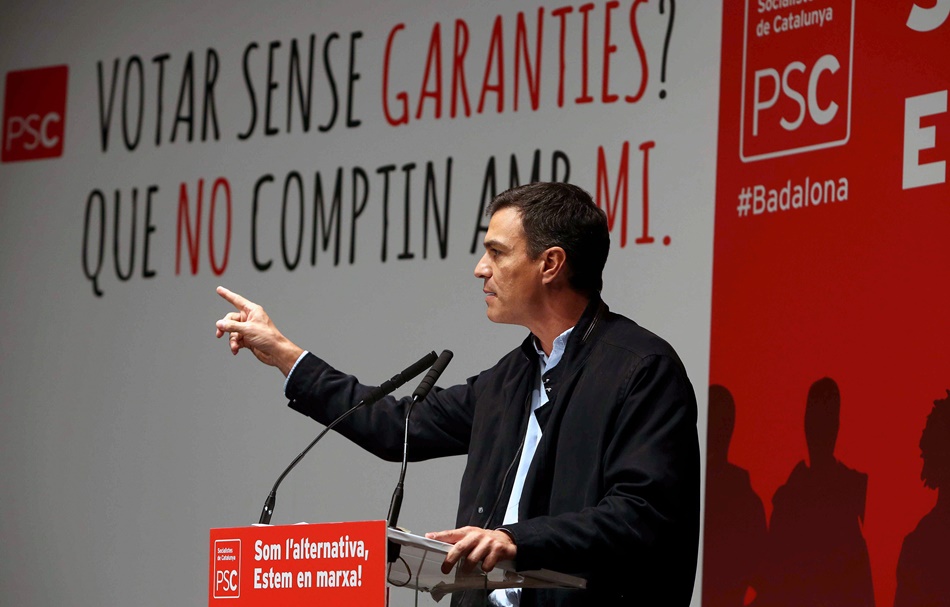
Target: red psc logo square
point(226, 569)
point(34, 113)
point(796, 76)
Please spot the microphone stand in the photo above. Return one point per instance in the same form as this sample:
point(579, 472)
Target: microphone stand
point(421, 392)
point(376, 394)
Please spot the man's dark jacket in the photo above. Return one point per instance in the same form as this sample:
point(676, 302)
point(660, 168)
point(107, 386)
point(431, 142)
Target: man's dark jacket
point(612, 494)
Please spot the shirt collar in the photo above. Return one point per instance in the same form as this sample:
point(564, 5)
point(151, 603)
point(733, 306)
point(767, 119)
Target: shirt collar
point(595, 311)
point(557, 350)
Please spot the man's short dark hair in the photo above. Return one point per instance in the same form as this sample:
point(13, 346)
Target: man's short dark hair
point(562, 215)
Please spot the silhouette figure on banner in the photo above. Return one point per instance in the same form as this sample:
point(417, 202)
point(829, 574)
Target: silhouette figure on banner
point(817, 555)
point(923, 569)
point(735, 532)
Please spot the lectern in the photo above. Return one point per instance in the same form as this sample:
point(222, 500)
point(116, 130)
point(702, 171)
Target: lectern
point(343, 564)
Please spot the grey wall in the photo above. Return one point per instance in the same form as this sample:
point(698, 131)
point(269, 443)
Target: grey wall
point(128, 430)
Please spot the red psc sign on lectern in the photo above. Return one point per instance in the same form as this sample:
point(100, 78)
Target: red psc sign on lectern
point(329, 564)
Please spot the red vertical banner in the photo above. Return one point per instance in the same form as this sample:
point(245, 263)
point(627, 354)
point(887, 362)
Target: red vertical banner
point(827, 452)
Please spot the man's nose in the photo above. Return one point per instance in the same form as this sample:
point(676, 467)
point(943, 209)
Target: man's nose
point(482, 269)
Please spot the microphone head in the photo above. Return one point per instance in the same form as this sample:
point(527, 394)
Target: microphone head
point(443, 361)
point(420, 365)
point(433, 375)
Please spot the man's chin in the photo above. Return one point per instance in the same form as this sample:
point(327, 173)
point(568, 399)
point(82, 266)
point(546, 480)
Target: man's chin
point(498, 317)
point(493, 315)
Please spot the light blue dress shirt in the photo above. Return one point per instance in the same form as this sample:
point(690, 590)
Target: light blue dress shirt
point(511, 597)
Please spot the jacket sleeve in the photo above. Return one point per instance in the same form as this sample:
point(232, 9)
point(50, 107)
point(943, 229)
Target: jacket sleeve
point(439, 426)
point(647, 518)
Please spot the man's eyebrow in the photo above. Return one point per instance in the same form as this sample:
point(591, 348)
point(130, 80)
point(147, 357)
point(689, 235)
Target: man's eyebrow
point(495, 244)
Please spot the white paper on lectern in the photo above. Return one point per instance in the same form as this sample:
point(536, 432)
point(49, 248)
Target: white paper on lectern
point(420, 567)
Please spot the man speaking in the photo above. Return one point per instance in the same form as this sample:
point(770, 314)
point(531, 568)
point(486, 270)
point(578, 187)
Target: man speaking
point(582, 446)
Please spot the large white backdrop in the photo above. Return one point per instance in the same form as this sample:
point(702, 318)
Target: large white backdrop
point(127, 429)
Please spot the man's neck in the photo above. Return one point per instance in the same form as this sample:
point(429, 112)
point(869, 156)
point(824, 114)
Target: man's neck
point(558, 316)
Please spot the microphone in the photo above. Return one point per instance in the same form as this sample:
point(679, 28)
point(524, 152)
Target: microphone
point(400, 378)
point(432, 376)
point(421, 392)
point(374, 395)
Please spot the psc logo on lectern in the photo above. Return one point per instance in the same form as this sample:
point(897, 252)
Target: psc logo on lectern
point(34, 113)
point(796, 76)
point(226, 569)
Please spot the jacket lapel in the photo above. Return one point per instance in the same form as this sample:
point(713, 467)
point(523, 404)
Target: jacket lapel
point(562, 380)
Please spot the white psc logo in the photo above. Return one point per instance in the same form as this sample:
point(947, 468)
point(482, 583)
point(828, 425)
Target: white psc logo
point(34, 129)
point(226, 581)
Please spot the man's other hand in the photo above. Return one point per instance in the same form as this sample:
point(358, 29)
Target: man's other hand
point(474, 545)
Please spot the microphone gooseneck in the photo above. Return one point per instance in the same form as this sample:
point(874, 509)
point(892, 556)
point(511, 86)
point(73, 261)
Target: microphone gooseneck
point(374, 395)
point(420, 393)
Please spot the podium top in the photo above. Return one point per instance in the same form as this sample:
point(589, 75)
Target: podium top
point(419, 566)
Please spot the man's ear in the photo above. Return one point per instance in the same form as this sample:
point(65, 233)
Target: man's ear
point(553, 265)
